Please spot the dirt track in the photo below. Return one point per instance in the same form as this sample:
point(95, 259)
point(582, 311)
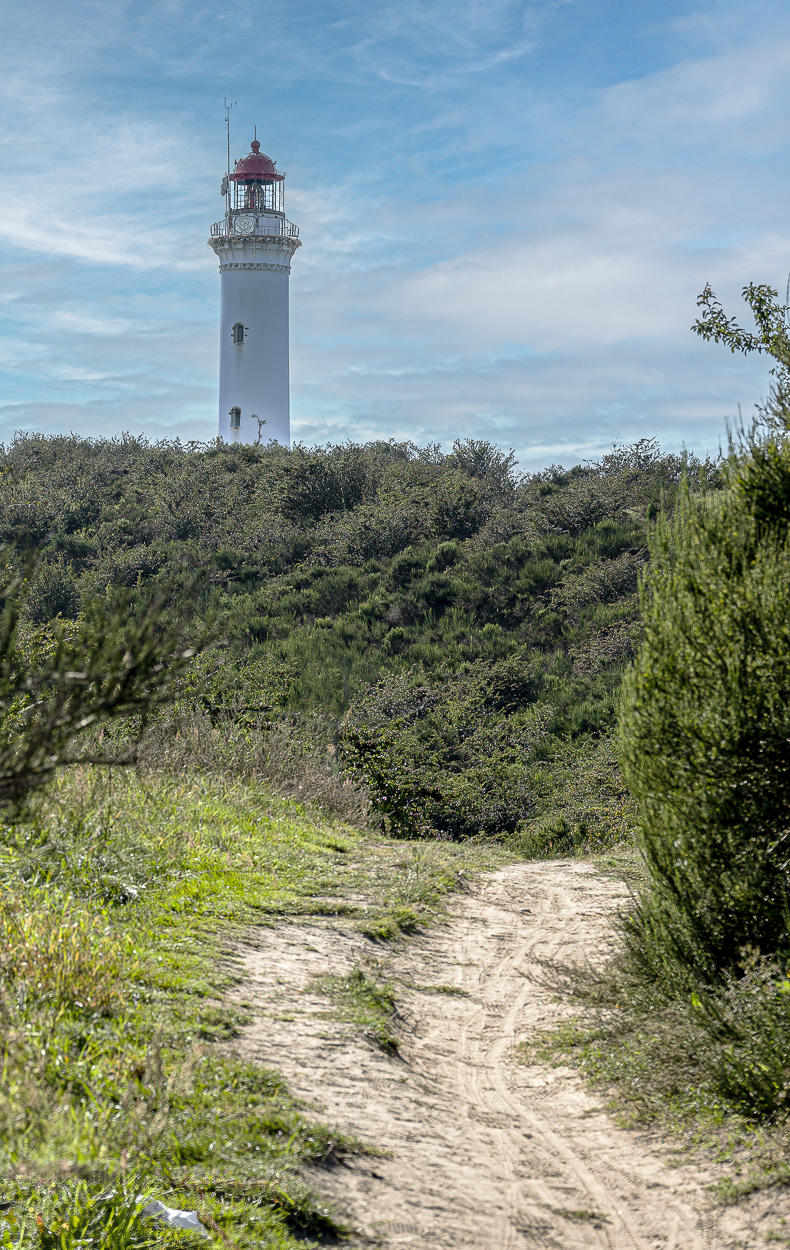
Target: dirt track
point(485, 1152)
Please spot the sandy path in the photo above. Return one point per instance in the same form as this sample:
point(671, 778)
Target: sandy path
point(485, 1151)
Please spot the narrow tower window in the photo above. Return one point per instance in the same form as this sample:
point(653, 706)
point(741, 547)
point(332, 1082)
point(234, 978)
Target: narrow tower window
point(235, 418)
point(238, 333)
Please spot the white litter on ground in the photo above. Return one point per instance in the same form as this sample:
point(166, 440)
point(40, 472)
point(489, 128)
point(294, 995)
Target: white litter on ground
point(176, 1219)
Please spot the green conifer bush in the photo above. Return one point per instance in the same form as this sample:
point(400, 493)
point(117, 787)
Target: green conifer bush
point(705, 712)
point(692, 1015)
point(705, 734)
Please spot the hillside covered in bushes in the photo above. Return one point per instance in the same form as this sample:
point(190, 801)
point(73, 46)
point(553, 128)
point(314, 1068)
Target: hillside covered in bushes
point(449, 633)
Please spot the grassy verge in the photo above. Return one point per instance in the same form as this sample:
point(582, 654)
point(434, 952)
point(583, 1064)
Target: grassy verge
point(708, 1075)
point(119, 901)
point(651, 1073)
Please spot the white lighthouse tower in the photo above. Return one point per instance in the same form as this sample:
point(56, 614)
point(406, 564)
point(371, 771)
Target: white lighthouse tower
point(254, 243)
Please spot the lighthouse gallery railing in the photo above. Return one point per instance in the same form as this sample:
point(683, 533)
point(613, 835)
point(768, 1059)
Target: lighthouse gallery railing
point(274, 226)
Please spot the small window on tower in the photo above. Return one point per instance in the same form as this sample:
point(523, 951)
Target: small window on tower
point(235, 418)
point(238, 333)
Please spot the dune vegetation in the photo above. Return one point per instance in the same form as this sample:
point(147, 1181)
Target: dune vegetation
point(243, 683)
point(690, 1021)
point(446, 633)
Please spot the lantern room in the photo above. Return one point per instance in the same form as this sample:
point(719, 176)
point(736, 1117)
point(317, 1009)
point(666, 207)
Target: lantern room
point(255, 184)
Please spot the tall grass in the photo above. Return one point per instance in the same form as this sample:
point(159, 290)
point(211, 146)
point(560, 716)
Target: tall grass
point(111, 1010)
point(296, 758)
point(55, 953)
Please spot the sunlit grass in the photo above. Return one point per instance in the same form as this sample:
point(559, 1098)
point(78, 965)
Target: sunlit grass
point(122, 899)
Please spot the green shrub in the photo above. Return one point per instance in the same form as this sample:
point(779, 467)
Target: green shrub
point(406, 567)
point(444, 557)
point(450, 758)
point(315, 483)
point(55, 592)
point(553, 836)
point(705, 736)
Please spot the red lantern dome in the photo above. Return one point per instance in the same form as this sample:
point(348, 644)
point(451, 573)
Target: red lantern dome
point(256, 168)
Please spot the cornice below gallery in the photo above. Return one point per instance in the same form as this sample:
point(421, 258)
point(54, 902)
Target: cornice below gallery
point(254, 245)
point(241, 264)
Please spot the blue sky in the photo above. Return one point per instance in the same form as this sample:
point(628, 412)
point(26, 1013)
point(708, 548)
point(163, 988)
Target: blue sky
point(507, 211)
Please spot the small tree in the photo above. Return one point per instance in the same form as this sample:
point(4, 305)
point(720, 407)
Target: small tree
point(705, 711)
point(59, 682)
point(770, 319)
point(771, 337)
point(705, 740)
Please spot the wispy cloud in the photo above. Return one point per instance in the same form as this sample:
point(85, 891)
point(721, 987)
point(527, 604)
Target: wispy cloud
point(499, 239)
point(432, 45)
point(735, 101)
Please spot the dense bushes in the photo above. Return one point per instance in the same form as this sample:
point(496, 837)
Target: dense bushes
point(696, 1006)
point(453, 760)
point(333, 570)
point(705, 732)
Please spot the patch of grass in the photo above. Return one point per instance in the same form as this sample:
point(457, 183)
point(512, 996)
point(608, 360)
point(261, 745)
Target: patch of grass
point(660, 1065)
point(411, 887)
point(112, 1002)
point(593, 1217)
point(389, 924)
point(269, 1211)
point(623, 861)
point(648, 1071)
point(75, 1216)
point(121, 901)
point(365, 1001)
point(769, 1169)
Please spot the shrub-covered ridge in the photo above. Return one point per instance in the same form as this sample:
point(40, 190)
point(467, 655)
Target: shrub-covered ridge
point(349, 576)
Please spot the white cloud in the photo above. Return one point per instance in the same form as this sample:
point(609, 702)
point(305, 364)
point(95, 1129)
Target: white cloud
point(544, 300)
point(424, 44)
point(734, 100)
point(570, 296)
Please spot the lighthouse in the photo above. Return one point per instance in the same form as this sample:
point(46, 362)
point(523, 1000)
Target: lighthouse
point(254, 244)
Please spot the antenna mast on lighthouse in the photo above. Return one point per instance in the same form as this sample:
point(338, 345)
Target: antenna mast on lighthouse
point(254, 244)
point(228, 107)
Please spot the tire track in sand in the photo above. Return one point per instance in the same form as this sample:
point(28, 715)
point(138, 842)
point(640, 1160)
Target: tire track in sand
point(485, 1151)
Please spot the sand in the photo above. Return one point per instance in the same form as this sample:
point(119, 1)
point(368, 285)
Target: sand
point(483, 1150)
